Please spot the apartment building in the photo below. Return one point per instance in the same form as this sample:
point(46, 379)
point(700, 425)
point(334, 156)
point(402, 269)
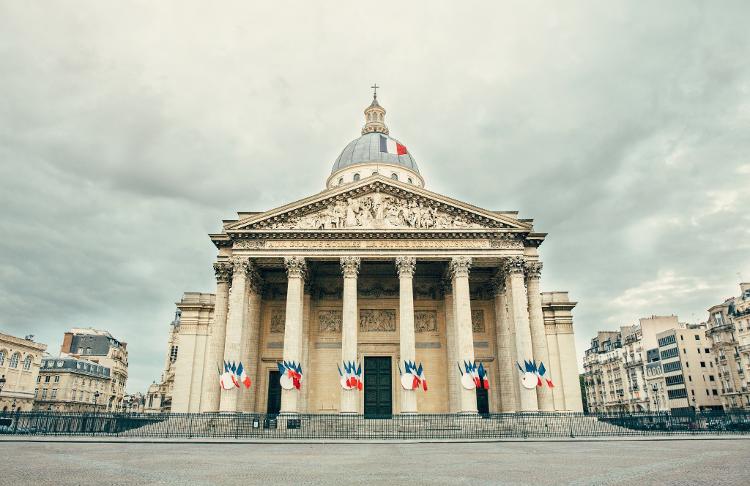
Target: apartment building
point(729, 335)
point(19, 367)
point(657, 365)
point(69, 384)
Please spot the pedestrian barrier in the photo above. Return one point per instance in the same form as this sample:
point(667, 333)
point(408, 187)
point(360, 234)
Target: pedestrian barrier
point(412, 426)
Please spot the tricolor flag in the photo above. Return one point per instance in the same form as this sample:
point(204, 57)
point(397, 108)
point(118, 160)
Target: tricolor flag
point(390, 146)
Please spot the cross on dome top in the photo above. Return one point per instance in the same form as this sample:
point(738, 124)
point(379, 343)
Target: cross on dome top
point(375, 115)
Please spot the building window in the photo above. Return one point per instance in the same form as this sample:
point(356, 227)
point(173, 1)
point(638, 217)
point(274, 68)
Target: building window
point(374, 172)
point(38, 378)
point(341, 180)
point(711, 378)
point(173, 354)
point(394, 176)
point(44, 393)
point(678, 393)
point(356, 177)
point(14, 360)
point(57, 378)
point(697, 337)
point(410, 181)
point(54, 393)
point(714, 393)
point(36, 392)
point(707, 350)
point(2, 358)
point(27, 362)
point(46, 379)
point(59, 364)
point(703, 364)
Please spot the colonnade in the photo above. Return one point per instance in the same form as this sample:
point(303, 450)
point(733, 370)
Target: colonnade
point(520, 331)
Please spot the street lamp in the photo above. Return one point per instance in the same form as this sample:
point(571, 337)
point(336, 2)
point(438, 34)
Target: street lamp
point(2, 383)
point(96, 399)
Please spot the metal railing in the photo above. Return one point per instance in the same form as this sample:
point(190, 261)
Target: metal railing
point(420, 426)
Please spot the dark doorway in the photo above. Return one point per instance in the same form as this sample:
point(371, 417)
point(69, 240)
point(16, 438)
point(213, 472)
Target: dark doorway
point(274, 393)
point(483, 401)
point(378, 397)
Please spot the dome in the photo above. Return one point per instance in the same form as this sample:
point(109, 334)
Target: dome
point(366, 149)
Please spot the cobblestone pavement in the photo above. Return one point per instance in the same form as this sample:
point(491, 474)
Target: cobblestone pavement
point(538, 463)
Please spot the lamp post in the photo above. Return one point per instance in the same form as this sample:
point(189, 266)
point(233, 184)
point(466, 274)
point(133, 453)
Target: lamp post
point(96, 400)
point(2, 383)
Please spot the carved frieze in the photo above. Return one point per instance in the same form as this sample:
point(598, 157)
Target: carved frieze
point(477, 320)
point(425, 321)
point(278, 319)
point(378, 210)
point(377, 320)
point(329, 321)
point(377, 289)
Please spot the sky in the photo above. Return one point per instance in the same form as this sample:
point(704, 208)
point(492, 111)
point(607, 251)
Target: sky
point(129, 130)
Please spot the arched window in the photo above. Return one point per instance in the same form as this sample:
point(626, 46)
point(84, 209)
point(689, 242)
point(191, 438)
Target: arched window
point(14, 360)
point(2, 357)
point(410, 181)
point(356, 177)
point(375, 173)
point(341, 180)
point(27, 362)
point(394, 176)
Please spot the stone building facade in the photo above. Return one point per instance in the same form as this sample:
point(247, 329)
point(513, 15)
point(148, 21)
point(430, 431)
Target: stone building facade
point(101, 347)
point(69, 384)
point(659, 364)
point(379, 271)
point(729, 335)
point(158, 398)
point(20, 359)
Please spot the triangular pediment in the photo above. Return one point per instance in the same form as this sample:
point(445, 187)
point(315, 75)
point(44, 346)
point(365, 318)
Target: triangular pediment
point(378, 203)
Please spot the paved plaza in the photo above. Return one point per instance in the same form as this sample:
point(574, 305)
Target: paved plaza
point(538, 463)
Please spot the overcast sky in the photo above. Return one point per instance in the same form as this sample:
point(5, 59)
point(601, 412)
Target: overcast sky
point(129, 130)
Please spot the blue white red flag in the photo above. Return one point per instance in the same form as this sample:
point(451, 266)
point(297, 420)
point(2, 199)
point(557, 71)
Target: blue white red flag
point(390, 146)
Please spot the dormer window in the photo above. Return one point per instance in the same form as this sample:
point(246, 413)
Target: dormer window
point(394, 176)
point(341, 180)
point(356, 177)
point(410, 181)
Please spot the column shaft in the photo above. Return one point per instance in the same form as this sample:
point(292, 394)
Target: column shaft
point(450, 344)
point(251, 347)
point(527, 401)
point(462, 319)
point(538, 334)
point(210, 389)
point(506, 375)
point(349, 325)
point(407, 342)
point(295, 269)
point(236, 318)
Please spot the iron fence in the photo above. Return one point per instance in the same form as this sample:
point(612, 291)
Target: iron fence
point(419, 426)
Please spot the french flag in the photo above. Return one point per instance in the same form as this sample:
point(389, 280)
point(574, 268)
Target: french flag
point(391, 146)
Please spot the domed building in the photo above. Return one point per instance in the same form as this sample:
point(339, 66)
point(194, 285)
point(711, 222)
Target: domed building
point(354, 299)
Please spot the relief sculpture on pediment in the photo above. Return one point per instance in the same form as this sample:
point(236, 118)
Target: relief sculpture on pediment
point(378, 211)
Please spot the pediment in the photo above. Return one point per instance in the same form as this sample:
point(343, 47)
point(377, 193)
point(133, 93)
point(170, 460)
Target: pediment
point(378, 203)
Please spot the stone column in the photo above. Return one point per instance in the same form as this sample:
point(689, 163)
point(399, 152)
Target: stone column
point(407, 342)
point(506, 374)
point(462, 320)
point(236, 318)
point(538, 334)
point(306, 319)
point(295, 271)
point(210, 389)
point(450, 344)
point(349, 324)
point(250, 355)
point(515, 267)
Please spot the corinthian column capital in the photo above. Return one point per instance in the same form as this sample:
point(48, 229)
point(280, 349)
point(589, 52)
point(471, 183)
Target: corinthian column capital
point(459, 266)
point(240, 265)
point(254, 281)
point(533, 269)
point(223, 271)
point(515, 265)
point(295, 266)
point(350, 266)
point(405, 266)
